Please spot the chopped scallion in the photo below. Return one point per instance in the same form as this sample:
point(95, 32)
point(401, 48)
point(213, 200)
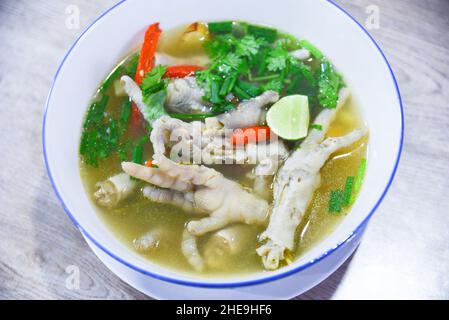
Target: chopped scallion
point(138, 154)
point(347, 194)
point(251, 89)
point(222, 107)
point(240, 93)
point(269, 34)
point(344, 198)
point(131, 66)
point(335, 201)
point(227, 86)
point(95, 113)
point(214, 92)
point(124, 115)
point(220, 27)
point(265, 78)
point(359, 179)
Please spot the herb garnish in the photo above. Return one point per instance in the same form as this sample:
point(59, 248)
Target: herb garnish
point(247, 60)
point(344, 198)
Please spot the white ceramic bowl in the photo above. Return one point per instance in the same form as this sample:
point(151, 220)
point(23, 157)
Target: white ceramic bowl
point(111, 36)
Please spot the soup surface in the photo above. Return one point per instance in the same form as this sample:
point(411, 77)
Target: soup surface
point(115, 131)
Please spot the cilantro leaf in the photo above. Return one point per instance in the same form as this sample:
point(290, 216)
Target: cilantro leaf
point(275, 85)
point(219, 46)
point(204, 78)
point(258, 58)
point(153, 81)
point(154, 106)
point(233, 61)
point(211, 83)
point(288, 41)
point(248, 46)
point(154, 94)
point(277, 59)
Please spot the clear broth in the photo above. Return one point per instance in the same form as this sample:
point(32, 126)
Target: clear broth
point(137, 215)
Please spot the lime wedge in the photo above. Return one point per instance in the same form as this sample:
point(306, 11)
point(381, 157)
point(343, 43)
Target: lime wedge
point(289, 117)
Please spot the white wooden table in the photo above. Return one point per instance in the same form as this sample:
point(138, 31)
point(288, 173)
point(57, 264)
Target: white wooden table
point(405, 251)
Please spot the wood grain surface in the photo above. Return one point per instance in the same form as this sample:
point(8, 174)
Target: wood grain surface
point(405, 251)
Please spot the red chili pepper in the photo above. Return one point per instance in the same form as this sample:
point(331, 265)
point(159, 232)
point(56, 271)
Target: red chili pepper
point(145, 64)
point(181, 71)
point(148, 51)
point(250, 135)
point(149, 163)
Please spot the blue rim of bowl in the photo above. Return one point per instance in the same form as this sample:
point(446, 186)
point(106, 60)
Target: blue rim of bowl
point(227, 284)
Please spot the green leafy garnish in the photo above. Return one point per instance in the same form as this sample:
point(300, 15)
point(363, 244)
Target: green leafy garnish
point(154, 94)
point(104, 135)
point(268, 34)
point(250, 89)
point(124, 115)
point(240, 93)
point(222, 107)
point(100, 136)
point(329, 85)
point(248, 46)
point(335, 201)
point(137, 156)
point(228, 85)
point(154, 106)
point(275, 85)
point(347, 192)
point(193, 116)
point(317, 126)
point(214, 92)
point(128, 67)
point(123, 149)
point(244, 65)
point(153, 82)
point(131, 66)
point(219, 46)
point(246, 60)
point(359, 179)
point(259, 62)
point(344, 198)
point(278, 59)
point(220, 27)
point(307, 73)
point(288, 41)
point(231, 62)
point(341, 198)
point(95, 114)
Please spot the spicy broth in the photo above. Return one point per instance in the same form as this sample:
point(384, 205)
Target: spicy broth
point(136, 215)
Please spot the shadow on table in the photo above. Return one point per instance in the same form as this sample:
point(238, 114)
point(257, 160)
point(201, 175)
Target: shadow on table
point(326, 289)
point(58, 248)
